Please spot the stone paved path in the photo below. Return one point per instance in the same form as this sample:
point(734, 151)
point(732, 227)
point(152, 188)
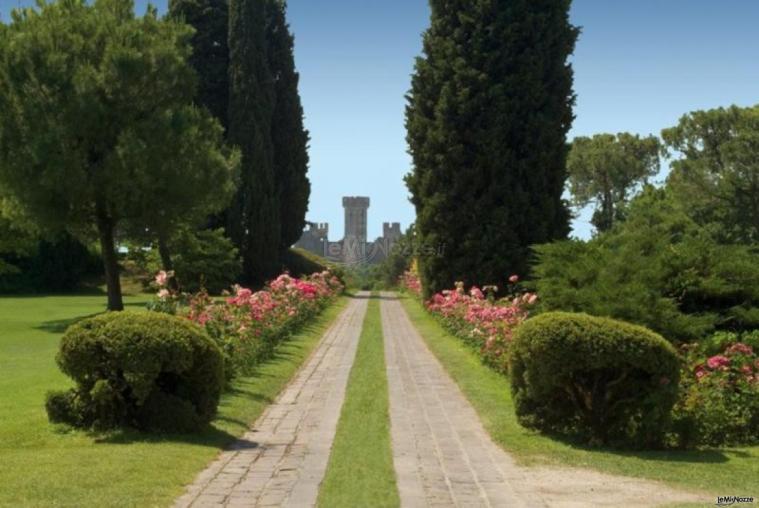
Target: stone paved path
point(441, 452)
point(282, 460)
point(444, 457)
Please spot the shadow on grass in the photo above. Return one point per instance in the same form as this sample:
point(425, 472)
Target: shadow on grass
point(688, 456)
point(60, 325)
point(210, 436)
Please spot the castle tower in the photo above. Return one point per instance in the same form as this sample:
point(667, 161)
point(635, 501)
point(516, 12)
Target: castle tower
point(391, 231)
point(355, 218)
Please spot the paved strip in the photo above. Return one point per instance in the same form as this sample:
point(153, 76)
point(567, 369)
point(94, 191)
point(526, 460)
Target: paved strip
point(442, 454)
point(282, 460)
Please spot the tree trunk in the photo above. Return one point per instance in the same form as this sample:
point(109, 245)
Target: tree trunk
point(110, 260)
point(168, 265)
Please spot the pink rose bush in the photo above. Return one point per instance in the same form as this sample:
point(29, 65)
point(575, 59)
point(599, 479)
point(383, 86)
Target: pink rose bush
point(166, 300)
point(411, 283)
point(248, 325)
point(719, 402)
point(484, 321)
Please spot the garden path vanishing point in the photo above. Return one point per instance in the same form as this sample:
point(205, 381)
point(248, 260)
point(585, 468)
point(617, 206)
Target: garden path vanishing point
point(444, 457)
point(282, 460)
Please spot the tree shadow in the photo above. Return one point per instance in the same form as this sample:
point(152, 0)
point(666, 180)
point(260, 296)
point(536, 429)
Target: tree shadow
point(209, 436)
point(60, 325)
point(695, 456)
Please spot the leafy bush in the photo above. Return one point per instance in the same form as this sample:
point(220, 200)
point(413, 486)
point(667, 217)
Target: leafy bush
point(719, 403)
point(147, 370)
point(202, 259)
point(658, 269)
point(718, 342)
point(602, 380)
point(399, 259)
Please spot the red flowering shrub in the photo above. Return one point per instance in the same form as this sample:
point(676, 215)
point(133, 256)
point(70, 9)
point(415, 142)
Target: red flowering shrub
point(248, 325)
point(483, 321)
point(719, 402)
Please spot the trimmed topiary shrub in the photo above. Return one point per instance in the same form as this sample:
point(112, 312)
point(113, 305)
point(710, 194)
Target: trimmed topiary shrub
point(605, 381)
point(151, 371)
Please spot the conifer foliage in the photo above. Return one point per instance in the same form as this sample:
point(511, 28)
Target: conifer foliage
point(487, 118)
point(210, 56)
point(249, 81)
point(254, 222)
point(289, 137)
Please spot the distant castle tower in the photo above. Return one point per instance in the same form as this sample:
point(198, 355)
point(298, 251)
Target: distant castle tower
point(354, 248)
point(355, 218)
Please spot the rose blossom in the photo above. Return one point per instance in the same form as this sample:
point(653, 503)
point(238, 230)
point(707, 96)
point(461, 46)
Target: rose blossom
point(161, 278)
point(717, 361)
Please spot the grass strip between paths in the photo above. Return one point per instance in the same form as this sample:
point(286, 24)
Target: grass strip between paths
point(46, 465)
point(360, 470)
point(717, 471)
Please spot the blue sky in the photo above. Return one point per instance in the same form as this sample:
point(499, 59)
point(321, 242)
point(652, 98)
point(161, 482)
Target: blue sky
point(639, 66)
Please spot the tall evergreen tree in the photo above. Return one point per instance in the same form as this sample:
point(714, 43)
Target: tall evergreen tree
point(289, 137)
point(210, 50)
point(487, 118)
point(254, 218)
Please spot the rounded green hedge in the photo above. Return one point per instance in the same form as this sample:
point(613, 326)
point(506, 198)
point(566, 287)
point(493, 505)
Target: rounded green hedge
point(146, 370)
point(599, 379)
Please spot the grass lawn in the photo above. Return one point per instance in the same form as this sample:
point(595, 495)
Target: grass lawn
point(360, 470)
point(726, 472)
point(46, 465)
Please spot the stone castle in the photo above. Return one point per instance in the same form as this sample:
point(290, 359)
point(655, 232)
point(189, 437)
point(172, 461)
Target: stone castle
point(354, 248)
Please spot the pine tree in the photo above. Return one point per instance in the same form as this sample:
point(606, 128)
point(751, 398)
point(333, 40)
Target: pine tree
point(210, 50)
point(289, 137)
point(487, 119)
point(254, 218)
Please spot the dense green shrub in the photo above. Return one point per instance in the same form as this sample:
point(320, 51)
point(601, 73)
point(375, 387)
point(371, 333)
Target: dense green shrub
point(658, 269)
point(719, 401)
point(602, 380)
point(302, 263)
point(204, 259)
point(146, 370)
point(58, 264)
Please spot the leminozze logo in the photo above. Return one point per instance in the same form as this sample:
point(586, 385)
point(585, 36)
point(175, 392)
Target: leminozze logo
point(731, 500)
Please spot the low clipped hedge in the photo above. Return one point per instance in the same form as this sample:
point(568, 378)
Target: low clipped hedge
point(602, 380)
point(151, 371)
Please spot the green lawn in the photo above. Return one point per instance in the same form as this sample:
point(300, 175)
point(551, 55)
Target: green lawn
point(360, 471)
point(45, 465)
point(733, 471)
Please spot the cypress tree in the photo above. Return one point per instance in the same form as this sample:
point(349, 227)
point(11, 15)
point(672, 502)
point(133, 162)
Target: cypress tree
point(487, 118)
point(210, 50)
point(289, 137)
point(254, 217)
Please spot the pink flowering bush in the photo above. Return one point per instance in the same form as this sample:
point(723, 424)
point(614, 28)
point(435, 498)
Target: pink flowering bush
point(484, 321)
point(719, 403)
point(411, 283)
point(248, 325)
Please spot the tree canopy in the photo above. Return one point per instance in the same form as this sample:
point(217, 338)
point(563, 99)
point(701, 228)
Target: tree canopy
point(606, 169)
point(98, 125)
point(716, 170)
